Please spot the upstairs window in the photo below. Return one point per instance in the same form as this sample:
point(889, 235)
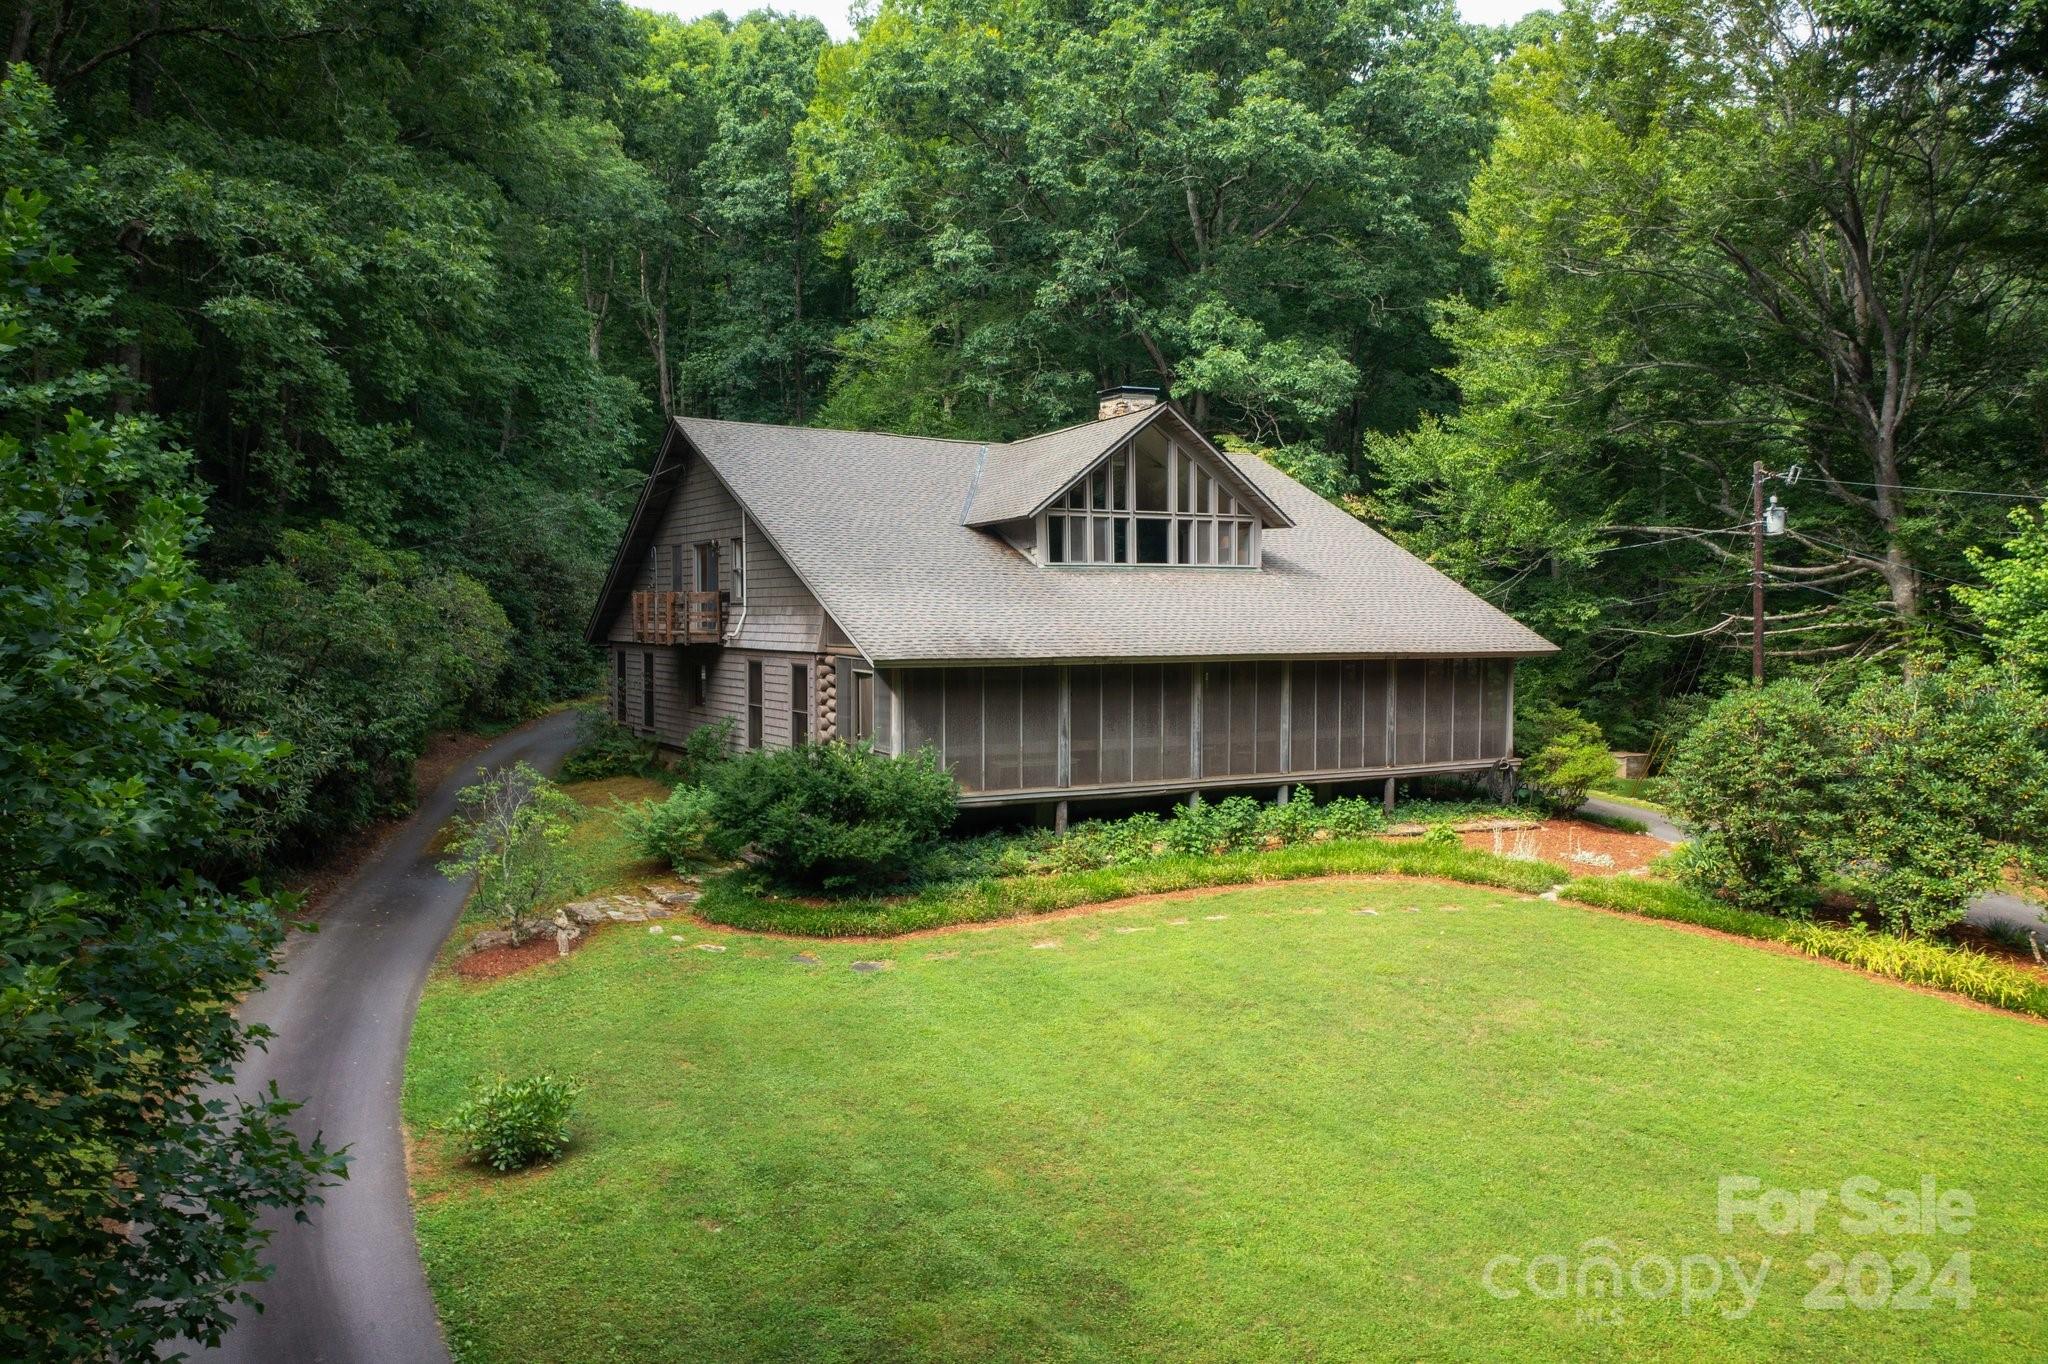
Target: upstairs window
point(1151, 502)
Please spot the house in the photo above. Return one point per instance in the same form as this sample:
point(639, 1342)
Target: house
point(1114, 610)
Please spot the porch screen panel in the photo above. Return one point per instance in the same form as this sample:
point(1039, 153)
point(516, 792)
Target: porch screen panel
point(1244, 716)
point(924, 709)
point(1409, 712)
point(1116, 723)
point(883, 720)
point(1494, 713)
point(1147, 722)
point(1302, 716)
point(1084, 726)
point(1215, 719)
point(1041, 718)
point(1467, 703)
point(963, 726)
point(1266, 754)
point(1329, 718)
point(1373, 714)
point(1441, 722)
point(1002, 737)
point(1351, 687)
point(1177, 700)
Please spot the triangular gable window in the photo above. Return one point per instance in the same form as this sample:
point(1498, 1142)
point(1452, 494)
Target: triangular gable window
point(1151, 501)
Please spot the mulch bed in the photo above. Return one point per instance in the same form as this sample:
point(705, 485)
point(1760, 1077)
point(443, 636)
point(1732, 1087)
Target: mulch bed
point(1560, 840)
point(495, 963)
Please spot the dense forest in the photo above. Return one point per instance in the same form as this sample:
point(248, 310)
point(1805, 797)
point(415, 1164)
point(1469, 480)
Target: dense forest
point(408, 289)
point(336, 334)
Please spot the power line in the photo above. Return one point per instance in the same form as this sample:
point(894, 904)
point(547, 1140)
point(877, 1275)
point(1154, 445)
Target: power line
point(1928, 488)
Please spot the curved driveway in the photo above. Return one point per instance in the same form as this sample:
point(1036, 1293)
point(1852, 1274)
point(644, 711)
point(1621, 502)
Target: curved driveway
point(348, 1285)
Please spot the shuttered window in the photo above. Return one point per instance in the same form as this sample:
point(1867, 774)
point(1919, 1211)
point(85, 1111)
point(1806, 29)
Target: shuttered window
point(647, 690)
point(799, 704)
point(619, 685)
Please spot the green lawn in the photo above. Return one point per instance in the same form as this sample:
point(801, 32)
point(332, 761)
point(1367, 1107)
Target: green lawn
point(1295, 1132)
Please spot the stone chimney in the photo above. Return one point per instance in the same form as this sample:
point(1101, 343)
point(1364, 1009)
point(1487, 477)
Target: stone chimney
point(1124, 400)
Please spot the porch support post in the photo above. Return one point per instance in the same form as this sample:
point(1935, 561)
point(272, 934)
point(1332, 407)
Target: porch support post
point(1387, 796)
point(1059, 818)
point(1281, 799)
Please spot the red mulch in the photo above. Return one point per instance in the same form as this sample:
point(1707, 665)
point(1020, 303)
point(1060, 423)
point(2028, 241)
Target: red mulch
point(496, 963)
point(1556, 840)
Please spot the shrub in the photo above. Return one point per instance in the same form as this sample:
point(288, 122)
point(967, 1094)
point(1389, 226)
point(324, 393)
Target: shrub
point(1296, 821)
point(1940, 769)
point(1441, 835)
point(606, 748)
point(1352, 817)
point(510, 833)
point(676, 830)
point(511, 1124)
point(1199, 828)
point(1571, 757)
point(831, 816)
point(706, 749)
point(1755, 780)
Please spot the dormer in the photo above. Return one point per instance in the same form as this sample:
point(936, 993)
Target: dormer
point(1138, 488)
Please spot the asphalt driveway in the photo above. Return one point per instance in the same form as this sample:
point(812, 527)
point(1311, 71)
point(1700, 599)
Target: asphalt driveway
point(348, 1287)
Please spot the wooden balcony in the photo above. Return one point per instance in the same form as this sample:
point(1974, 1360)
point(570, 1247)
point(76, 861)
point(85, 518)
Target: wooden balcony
point(678, 617)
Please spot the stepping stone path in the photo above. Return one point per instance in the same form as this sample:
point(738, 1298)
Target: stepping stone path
point(805, 959)
point(1212, 918)
point(1177, 923)
point(710, 947)
point(1044, 943)
point(1373, 912)
point(941, 956)
point(866, 968)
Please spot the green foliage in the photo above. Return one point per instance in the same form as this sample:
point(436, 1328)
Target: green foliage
point(510, 832)
point(511, 1124)
point(1944, 778)
point(129, 1208)
point(1916, 790)
point(677, 830)
point(353, 655)
point(2012, 606)
point(831, 816)
point(1141, 191)
point(1915, 961)
point(1570, 754)
point(1229, 825)
point(606, 748)
point(704, 751)
point(739, 901)
point(1662, 211)
point(1755, 782)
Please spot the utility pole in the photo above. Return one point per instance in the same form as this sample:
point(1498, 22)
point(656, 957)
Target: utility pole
point(1756, 573)
point(1762, 521)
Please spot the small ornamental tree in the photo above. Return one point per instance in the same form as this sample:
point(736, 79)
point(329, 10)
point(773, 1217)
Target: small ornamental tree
point(509, 832)
point(1570, 755)
point(1756, 780)
point(2013, 604)
point(831, 816)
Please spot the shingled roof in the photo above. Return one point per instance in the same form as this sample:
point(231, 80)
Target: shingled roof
point(1019, 479)
point(873, 524)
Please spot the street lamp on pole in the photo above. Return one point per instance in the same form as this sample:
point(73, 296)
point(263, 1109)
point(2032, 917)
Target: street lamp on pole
point(1763, 521)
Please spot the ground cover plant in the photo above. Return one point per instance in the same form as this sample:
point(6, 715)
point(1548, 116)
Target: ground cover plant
point(1258, 1124)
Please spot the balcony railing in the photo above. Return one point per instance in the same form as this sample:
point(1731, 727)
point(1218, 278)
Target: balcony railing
point(678, 617)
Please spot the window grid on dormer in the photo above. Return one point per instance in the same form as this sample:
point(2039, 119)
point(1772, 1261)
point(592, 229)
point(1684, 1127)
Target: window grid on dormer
point(1144, 508)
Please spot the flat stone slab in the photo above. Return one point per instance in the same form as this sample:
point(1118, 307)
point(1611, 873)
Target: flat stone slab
point(867, 968)
point(805, 959)
point(710, 947)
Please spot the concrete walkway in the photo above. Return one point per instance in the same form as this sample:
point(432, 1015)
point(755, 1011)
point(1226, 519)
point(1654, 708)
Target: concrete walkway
point(1993, 911)
point(348, 1287)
